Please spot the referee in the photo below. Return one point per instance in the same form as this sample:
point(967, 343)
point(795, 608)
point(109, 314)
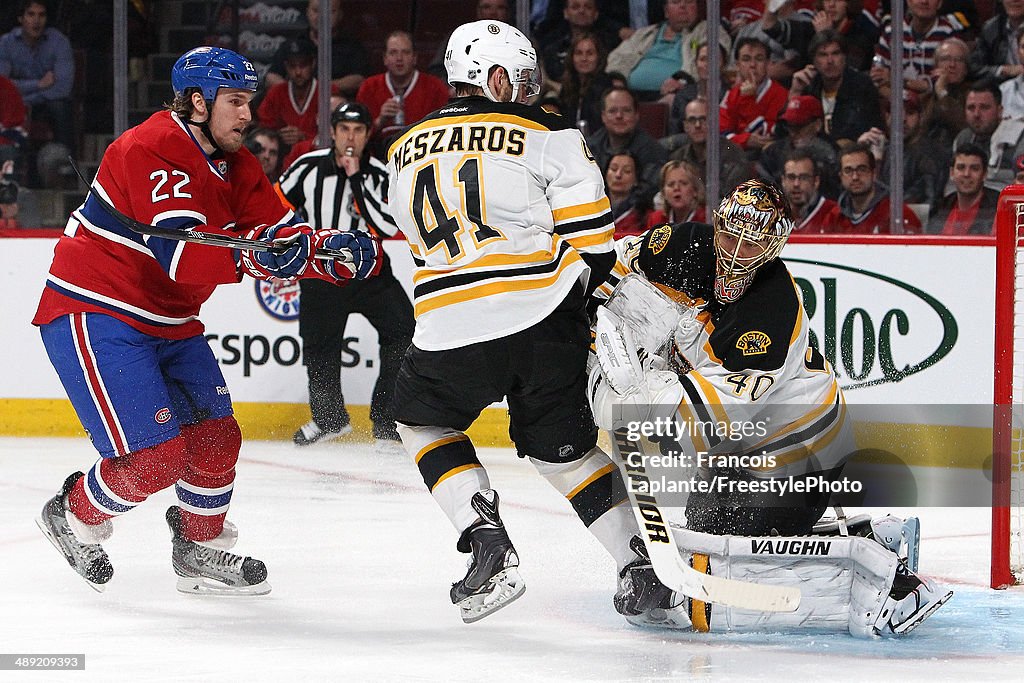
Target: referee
point(343, 187)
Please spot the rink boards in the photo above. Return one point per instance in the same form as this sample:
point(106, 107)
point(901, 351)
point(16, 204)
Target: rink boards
point(902, 323)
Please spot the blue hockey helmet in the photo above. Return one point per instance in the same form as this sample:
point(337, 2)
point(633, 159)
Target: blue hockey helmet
point(212, 68)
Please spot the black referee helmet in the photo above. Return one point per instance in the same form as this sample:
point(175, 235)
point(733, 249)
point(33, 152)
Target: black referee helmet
point(351, 111)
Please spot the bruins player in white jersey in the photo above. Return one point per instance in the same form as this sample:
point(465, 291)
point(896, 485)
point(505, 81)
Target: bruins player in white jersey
point(509, 226)
point(730, 363)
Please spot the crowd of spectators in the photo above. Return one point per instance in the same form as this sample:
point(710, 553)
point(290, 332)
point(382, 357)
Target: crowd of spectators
point(805, 87)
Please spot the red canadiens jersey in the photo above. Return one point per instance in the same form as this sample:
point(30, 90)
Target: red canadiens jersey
point(157, 174)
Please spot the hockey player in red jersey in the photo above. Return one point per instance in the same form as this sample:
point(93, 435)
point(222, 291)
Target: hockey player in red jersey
point(119, 320)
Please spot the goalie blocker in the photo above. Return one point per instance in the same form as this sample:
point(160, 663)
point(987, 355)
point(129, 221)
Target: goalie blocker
point(847, 583)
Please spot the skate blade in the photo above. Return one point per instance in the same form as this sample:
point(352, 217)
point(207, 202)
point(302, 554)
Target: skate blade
point(910, 624)
point(200, 585)
point(506, 586)
point(659, 617)
point(98, 587)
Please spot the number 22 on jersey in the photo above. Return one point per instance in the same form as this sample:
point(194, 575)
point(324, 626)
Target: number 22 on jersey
point(437, 224)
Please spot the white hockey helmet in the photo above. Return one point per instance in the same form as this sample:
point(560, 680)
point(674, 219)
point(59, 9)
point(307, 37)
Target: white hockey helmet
point(476, 47)
point(752, 225)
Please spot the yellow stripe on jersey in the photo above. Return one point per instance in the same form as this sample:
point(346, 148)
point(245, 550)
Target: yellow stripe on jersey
point(492, 261)
point(806, 449)
point(499, 287)
point(437, 444)
point(593, 240)
point(691, 421)
point(811, 415)
point(711, 394)
point(594, 208)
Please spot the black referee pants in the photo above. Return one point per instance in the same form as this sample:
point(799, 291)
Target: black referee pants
point(323, 313)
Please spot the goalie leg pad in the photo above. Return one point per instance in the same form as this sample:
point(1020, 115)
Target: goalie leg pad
point(844, 582)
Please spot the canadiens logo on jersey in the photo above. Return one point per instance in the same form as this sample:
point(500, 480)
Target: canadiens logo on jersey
point(162, 416)
point(753, 343)
point(660, 238)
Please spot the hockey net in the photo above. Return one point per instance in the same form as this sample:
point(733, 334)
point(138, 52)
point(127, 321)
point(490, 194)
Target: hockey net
point(1008, 393)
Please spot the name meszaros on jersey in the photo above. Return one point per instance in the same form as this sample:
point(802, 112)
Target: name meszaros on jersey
point(498, 202)
point(496, 139)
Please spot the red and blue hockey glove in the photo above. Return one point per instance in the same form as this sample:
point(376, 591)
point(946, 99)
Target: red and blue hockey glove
point(284, 265)
point(367, 255)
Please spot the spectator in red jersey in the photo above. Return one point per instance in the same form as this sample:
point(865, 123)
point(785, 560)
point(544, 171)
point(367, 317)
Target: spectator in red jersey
point(620, 182)
point(349, 62)
point(309, 144)
point(971, 209)
point(804, 130)
point(801, 184)
point(402, 95)
point(290, 107)
point(863, 207)
point(748, 113)
point(682, 190)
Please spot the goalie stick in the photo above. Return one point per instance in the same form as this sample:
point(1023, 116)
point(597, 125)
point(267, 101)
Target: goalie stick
point(622, 369)
point(208, 238)
point(670, 567)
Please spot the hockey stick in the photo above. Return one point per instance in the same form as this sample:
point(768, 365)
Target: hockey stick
point(670, 567)
point(208, 238)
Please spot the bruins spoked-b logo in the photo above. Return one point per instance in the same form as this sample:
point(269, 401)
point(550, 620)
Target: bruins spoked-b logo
point(659, 238)
point(753, 343)
point(493, 29)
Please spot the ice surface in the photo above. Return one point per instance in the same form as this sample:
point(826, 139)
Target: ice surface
point(361, 559)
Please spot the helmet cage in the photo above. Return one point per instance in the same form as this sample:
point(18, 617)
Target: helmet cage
point(751, 227)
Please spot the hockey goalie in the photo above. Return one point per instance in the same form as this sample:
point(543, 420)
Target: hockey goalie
point(720, 407)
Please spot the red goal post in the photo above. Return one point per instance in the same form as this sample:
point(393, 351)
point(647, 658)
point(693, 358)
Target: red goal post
point(1008, 393)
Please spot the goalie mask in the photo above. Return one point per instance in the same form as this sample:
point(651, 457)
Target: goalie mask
point(474, 49)
point(751, 227)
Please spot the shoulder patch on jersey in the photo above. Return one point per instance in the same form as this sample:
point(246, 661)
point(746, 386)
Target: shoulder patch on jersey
point(753, 343)
point(659, 238)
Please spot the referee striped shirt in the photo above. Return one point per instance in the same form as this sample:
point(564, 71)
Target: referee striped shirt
point(315, 187)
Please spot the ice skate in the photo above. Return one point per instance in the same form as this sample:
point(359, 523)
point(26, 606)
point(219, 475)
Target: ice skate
point(206, 570)
point(311, 433)
point(912, 599)
point(639, 587)
point(79, 543)
point(493, 579)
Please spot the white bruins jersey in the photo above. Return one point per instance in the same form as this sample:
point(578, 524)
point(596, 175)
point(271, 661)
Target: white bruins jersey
point(497, 201)
point(747, 367)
